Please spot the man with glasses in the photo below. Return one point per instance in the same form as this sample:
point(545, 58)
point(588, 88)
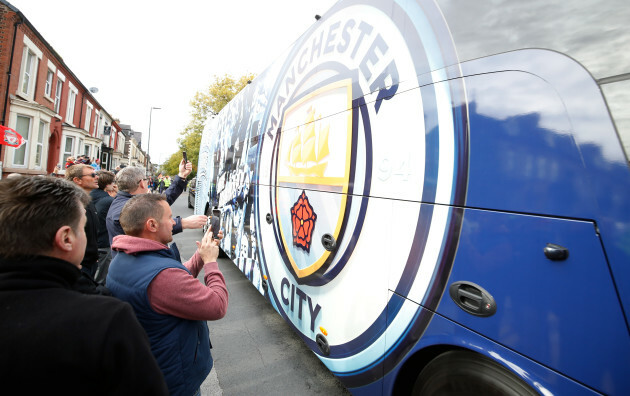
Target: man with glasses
point(86, 178)
point(133, 181)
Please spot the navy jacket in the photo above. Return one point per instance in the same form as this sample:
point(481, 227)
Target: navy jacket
point(180, 346)
point(113, 215)
point(102, 202)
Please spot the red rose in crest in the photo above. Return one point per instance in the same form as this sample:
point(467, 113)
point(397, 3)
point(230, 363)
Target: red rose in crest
point(303, 221)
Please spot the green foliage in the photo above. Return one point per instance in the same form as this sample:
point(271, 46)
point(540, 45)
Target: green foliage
point(171, 166)
point(204, 104)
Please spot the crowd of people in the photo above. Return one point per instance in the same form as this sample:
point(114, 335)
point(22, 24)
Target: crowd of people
point(93, 298)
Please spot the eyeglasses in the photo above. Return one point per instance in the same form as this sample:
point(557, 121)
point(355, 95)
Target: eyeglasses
point(89, 174)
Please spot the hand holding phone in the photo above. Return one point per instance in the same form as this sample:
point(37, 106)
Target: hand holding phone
point(215, 224)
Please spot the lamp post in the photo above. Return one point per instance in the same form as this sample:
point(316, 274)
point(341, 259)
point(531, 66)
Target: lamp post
point(149, 137)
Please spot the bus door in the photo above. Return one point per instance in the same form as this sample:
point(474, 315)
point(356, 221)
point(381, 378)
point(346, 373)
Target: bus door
point(530, 271)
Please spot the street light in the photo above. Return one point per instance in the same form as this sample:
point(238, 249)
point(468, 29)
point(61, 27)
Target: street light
point(149, 137)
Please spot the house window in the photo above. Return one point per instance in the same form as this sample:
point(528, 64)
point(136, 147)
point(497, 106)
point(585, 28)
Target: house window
point(67, 148)
point(58, 95)
point(96, 119)
point(40, 144)
point(29, 72)
point(104, 159)
point(88, 117)
point(72, 98)
point(49, 80)
point(86, 150)
point(23, 127)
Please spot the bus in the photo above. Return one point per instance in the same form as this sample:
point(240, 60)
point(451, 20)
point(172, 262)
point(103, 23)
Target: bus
point(435, 194)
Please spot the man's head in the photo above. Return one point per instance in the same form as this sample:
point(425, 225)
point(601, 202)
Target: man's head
point(105, 179)
point(83, 176)
point(42, 216)
point(132, 179)
point(148, 216)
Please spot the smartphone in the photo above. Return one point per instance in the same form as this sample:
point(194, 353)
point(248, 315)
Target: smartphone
point(185, 157)
point(215, 222)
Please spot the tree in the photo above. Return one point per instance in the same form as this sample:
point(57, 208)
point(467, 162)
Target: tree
point(204, 104)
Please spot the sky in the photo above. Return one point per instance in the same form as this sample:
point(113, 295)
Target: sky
point(155, 53)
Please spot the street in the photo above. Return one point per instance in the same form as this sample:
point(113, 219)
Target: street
point(255, 352)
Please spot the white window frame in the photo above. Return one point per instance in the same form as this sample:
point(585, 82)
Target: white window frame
point(65, 154)
point(88, 116)
point(39, 144)
point(26, 135)
point(28, 72)
point(104, 159)
point(73, 92)
point(28, 75)
point(121, 143)
point(97, 116)
point(58, 91)
point(87, 150)
point(49, 80)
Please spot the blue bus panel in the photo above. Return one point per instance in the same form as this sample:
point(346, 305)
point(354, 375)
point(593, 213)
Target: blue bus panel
point(421, 194)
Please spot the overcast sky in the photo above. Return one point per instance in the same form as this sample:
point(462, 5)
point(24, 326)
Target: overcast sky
point(157, 53)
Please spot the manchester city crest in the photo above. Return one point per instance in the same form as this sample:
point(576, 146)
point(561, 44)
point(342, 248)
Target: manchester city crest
point(313, 176)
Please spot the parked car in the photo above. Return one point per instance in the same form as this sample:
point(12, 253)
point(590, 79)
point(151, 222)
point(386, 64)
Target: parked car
point(191, 192)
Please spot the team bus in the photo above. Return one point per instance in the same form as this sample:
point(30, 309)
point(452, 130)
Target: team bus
point(435, 194)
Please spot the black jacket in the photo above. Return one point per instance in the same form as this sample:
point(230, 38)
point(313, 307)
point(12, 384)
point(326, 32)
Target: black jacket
point(102, 201)
point(56, 340)
point(91, 232)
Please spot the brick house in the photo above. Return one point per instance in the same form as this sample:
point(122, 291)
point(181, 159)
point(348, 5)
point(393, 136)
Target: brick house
point(43, 100)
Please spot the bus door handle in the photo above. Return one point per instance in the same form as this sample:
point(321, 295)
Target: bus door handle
point(556, 252)
point(473, 299)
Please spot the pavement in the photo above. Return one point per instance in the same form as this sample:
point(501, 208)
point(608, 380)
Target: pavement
point(254, 350)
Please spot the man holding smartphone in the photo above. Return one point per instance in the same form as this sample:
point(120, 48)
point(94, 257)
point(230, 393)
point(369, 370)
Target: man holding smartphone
point(168, 299)
point(133, 181)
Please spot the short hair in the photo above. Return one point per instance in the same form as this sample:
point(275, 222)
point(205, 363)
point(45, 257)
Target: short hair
point(129, 178)
point(76, 171)
point(105, 178)
point(32, 209)
point(138, 210)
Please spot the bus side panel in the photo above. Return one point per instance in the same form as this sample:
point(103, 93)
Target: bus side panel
point(564, 314)
point(601, 189)
point(446, 334)
point(523, 156)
